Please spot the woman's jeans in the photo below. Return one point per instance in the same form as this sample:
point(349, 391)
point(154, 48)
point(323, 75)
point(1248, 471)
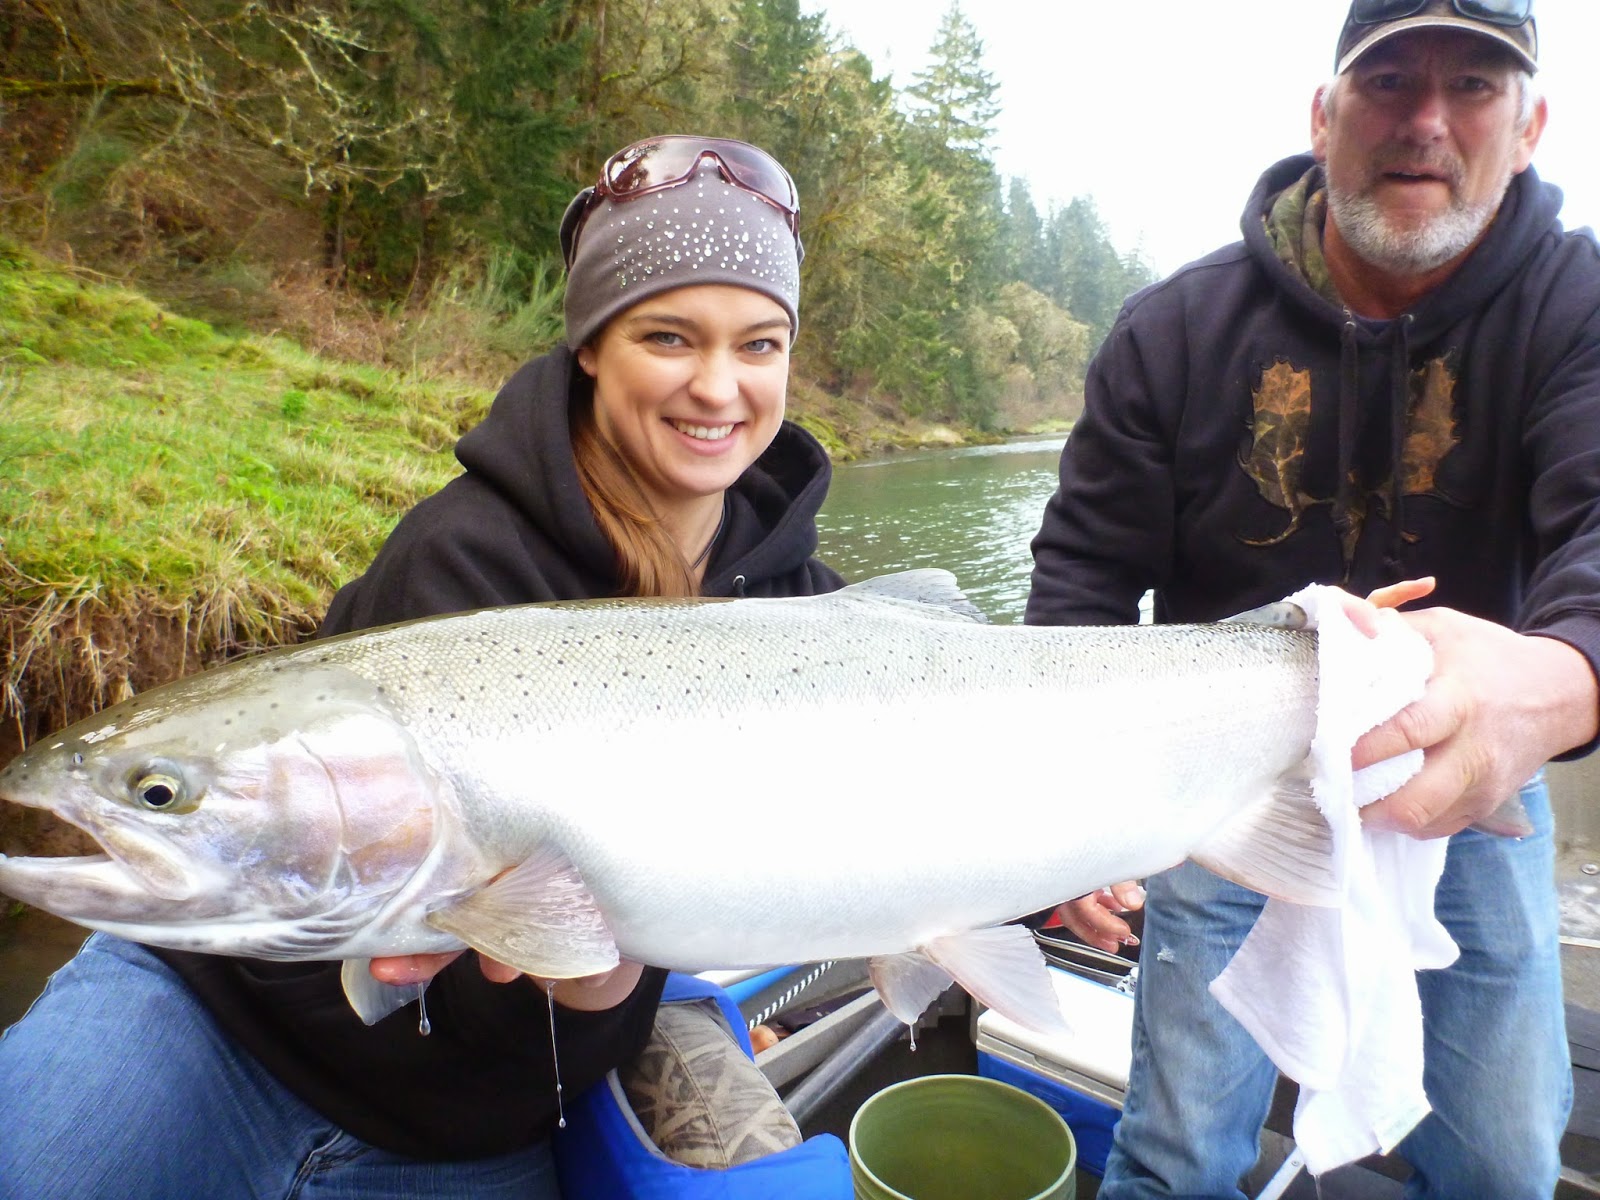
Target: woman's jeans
point(1498, 1069)
point(117, 1085)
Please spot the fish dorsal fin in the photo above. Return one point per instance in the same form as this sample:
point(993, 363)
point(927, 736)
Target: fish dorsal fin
point(907, 983)
point(539, 917)
point(934, 589)
point(1281, 847)
point(371, 999)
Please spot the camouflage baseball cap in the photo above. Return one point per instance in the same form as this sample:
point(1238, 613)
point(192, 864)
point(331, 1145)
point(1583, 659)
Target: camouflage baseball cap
point(1508, 22)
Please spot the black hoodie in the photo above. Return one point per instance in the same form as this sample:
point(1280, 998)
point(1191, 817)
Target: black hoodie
point(514, 528)
point(1229, 401)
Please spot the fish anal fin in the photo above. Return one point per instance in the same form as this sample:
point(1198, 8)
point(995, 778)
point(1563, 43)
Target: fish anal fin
point(371, 999)
point(539, 917)
point(907, 983)
point(1281, 847)
point(1002, 966)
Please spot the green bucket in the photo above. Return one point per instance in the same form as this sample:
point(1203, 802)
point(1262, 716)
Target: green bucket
point(957, 1137)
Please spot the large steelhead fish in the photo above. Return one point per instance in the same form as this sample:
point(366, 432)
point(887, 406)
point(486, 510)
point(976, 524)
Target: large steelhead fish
point(558, 785)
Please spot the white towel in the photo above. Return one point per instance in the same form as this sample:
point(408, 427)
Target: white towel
point(1330, 994)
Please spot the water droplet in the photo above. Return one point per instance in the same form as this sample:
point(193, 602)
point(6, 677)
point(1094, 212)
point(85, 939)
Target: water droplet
point(550, 999)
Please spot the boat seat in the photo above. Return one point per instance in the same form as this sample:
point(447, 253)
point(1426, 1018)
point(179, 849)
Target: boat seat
point(699, 1096)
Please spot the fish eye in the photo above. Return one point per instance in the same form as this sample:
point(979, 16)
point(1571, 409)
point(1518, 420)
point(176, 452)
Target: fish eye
point(159, 791)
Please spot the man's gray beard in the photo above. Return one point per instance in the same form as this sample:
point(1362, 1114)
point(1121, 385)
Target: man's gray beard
point(1410, 251)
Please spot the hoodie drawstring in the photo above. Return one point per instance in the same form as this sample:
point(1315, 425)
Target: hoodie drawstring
point(1346, 525)
point(1344, 521)
point(1399, 415)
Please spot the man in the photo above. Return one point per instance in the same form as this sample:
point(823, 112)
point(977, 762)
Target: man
point(1395, 375)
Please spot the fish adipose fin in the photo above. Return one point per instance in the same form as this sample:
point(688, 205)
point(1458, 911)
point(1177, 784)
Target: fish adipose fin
point(1281, 847)
point(935, 590)
point(1001, 967)
point(539, 917)
point(372, 1000)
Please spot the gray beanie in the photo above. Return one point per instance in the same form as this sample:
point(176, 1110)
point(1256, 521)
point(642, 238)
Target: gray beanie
point(705, 230)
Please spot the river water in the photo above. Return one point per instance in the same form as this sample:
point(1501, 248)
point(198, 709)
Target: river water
point(972, 511)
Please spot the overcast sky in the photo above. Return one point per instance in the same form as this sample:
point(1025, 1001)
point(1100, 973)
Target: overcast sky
point(1166, 111)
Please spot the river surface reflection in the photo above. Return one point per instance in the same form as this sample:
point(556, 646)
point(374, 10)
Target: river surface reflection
point(972, 511)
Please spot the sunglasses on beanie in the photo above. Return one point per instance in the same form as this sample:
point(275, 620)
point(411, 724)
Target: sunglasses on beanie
point(663, 162)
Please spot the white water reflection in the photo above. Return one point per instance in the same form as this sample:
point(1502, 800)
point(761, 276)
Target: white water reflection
point(972, 511)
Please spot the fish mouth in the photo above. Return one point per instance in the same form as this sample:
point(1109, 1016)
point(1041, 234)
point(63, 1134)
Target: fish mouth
point(44, 853)
point(28, 832)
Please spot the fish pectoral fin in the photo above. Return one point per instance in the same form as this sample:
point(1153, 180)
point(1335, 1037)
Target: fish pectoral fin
point(1003, 967)
point(907, 983)
point(1281, 847)
point(371, 999)
point(539, 917)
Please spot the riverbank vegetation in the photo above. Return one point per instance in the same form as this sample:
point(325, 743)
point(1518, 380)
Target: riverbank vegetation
point(266, 261)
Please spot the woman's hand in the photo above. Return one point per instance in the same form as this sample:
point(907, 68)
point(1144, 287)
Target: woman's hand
point(1093, 918)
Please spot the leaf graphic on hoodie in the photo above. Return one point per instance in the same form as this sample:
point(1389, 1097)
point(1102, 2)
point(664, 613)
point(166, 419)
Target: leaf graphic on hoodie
point(1431, 431)
point(1277, 451)
point(1430, 435)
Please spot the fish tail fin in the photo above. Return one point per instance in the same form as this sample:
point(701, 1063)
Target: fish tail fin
point(1281, 847)
point(1511, 819)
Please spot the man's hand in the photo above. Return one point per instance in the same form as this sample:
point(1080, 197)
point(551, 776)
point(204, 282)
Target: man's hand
point(587, 994)
point(1498, 705)
point(1093, 918)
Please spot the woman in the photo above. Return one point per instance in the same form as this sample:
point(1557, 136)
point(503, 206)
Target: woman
point(648, 456)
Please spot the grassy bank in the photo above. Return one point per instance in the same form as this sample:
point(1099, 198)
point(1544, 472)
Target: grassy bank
point(170, 494)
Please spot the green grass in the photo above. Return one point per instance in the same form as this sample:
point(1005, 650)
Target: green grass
point(151, 466)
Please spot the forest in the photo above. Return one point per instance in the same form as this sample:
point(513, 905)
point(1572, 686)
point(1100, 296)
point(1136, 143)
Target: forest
point(343, 170)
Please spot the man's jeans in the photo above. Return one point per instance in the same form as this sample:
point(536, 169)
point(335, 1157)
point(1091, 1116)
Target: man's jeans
point(117, 1085)
point(1498, 1070)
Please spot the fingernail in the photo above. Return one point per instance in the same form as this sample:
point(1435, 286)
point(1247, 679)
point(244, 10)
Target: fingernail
point(1130, 940)
point(1138, 893)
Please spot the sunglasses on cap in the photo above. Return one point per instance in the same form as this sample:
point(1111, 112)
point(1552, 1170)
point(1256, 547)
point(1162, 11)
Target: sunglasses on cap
point(658, 163)
point(1509, 13)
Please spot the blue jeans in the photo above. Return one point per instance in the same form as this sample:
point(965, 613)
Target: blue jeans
point(1497, 1066)
point(117, 1084)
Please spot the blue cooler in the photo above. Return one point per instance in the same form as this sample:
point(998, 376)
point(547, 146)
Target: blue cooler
point(1082, 1074)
